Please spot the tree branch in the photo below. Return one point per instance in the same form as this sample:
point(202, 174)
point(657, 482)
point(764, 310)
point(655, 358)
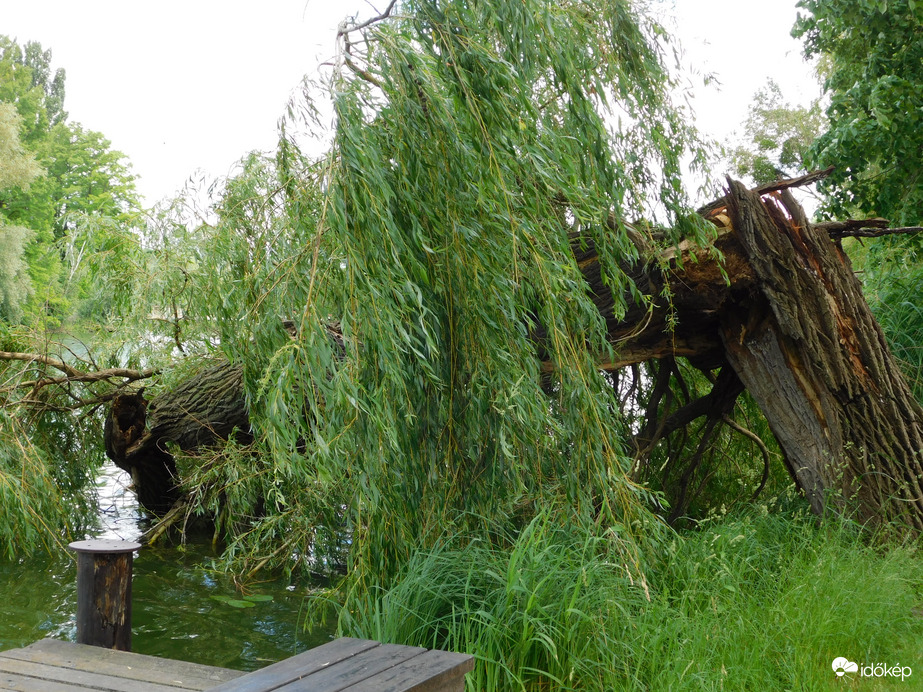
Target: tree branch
point(99, 375)
point(873, 232)
point(343, 30)
point(363, 74)
point(71, 374)
point(734, 425)
point(775, 186)
point(799, 181)
point(68, 370)
point(722, 396)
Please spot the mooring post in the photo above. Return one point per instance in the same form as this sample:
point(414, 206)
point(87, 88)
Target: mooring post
point(104, 592)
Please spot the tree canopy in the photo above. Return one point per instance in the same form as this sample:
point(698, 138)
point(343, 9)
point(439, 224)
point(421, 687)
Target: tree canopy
point(18, 169)
point(777, 136)
point(873, 51)
point(433, 240)
point(64, 195)
point(82, 176)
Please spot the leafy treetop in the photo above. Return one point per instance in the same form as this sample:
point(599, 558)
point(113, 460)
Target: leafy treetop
point(418, 261)
point(777, 136)
point(874, 51)
point(83, 176)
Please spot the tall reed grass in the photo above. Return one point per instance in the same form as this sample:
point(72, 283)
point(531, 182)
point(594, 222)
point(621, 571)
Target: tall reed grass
point(756, 602)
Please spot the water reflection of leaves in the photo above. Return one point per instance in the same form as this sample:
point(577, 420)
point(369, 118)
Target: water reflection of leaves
point(248, 601)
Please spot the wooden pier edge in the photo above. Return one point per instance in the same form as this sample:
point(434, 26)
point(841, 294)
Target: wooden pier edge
point(345, 665)
point(51, 665)
point(360, 665)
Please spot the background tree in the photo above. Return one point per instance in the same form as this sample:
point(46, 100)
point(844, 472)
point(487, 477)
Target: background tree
point(51, 86)
point(776, 136)
point(17, 170)
point(26, 81)
point(872, 54)
point(874, 68)
point(84, 175)
point(49, 454)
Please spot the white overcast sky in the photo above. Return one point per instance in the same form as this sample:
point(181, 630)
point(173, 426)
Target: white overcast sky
point(182, 86)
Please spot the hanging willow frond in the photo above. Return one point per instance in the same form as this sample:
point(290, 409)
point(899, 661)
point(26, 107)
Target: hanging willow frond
point(474, 145)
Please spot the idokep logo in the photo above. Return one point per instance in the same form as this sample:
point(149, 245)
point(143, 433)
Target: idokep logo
point(841, 666)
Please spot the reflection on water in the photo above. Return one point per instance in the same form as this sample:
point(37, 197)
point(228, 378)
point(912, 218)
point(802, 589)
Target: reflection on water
point(179, 607)
point(119, 514)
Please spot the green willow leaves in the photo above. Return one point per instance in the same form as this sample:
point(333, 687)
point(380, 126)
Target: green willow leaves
point(442, 371)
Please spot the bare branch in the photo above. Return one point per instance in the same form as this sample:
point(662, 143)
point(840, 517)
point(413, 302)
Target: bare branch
point(343, 31)
point(734, 425)
point(363, 74)
point(71, 375)
point(866, 232)
point(789, 183)
point(97, 376)
point(776, 186)
point(68, 370)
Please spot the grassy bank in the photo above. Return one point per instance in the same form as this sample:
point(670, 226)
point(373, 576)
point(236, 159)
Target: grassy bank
point(759, 602)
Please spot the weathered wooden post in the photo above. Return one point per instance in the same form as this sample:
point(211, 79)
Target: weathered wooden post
point(104, 592)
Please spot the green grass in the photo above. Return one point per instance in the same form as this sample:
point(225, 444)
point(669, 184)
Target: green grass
point(767, 603)
point(760, 602)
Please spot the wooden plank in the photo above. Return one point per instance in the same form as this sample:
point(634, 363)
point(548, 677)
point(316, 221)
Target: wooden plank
point(433, 671)
point(94, 681)
point(353, 665)
point(356, 669)
point(10, 682)
point(300, 666)
point(192, 676)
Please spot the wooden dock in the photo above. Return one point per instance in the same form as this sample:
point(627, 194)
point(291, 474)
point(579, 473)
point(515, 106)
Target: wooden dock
point(344, 665)
point(51, 665)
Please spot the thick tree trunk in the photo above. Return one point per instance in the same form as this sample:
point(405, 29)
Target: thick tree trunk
point(200, 411)
point(698, 287)
point(815, 360)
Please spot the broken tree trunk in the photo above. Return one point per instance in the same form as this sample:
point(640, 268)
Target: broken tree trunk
point(202, 410)
point(816, 362)
point(792, 322)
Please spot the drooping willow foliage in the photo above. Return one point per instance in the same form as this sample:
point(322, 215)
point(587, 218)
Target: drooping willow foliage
point(415, 262)
point(48, 461)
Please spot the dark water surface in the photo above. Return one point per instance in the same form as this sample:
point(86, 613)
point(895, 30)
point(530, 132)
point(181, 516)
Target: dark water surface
point(179, 607)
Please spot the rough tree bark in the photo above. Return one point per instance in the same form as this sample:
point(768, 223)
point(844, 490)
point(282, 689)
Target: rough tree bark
point(793, 324)
point(203, 409)
point(815, 360)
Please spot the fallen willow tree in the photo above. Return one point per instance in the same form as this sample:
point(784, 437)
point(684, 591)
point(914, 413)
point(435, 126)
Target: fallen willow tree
point(198, 412)
point(468, 238)
point(777, 310)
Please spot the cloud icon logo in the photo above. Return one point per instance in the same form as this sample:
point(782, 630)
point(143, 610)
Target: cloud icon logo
point(841, 666)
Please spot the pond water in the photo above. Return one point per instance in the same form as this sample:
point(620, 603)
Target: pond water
point(179, 604)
